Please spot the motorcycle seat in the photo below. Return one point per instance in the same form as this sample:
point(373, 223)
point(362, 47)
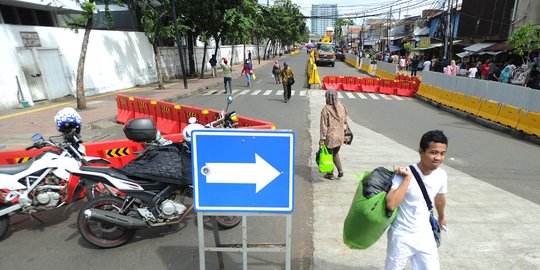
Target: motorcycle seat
point(118, 174)
point(15, 168)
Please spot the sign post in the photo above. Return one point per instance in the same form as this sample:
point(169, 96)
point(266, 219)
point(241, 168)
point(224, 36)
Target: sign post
point(246, 172)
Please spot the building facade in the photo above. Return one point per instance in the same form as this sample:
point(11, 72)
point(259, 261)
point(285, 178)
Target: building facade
point(323, 16)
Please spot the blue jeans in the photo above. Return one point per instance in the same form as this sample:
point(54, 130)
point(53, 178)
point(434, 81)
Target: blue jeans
point(248, 76)
point(228, 82)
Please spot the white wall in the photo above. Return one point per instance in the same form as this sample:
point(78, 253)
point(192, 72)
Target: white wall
point(114, 60)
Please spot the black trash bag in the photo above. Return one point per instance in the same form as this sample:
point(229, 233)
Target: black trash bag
point(169, 163)
point(379, 180)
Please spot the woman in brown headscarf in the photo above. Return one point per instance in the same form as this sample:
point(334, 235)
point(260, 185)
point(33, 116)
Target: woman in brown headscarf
point(333, 125)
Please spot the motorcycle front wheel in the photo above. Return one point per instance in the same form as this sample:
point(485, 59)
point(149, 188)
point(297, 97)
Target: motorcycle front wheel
point(4, 225)
point(99, 233)
point(228, 222)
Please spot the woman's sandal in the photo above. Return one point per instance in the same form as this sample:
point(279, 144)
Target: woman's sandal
point(329, 176)
point(340, 174)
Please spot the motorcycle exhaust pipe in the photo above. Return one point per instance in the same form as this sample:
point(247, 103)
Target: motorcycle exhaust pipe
point(115, 219)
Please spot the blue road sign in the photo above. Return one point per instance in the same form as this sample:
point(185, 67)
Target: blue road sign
point(237, 170)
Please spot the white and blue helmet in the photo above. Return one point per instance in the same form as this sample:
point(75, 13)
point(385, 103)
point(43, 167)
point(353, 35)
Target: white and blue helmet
point(68, 119)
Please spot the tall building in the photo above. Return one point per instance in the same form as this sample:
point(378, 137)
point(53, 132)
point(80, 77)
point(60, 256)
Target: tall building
point(322, 16)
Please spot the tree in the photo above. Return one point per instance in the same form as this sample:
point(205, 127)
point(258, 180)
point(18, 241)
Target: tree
point(525, 39)
point(337, 27)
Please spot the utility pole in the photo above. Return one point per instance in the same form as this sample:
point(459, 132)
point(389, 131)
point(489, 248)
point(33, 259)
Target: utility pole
point(388, 30)
point(447, 32)
point(453, 20)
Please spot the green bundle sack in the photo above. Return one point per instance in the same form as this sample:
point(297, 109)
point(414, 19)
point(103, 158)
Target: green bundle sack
point(368, 218)
point(326, 160)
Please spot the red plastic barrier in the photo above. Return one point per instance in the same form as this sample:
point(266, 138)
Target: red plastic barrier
point(168, 120)
point(125, 108)
point(144, 108)
point(332, 82)
point(416, 80)
point(249, 123)
point(406, 88)
point(118, 152)
point(369, 85)
point(19, 155)
point(350, 83)
point(387, 86)
point(187, 112)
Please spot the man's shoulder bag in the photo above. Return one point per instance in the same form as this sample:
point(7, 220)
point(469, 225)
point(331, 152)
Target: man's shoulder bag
point(290, 80)
point(435, 227)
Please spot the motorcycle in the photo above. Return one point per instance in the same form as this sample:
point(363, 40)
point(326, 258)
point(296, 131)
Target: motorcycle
point(156, 194)
point(43, 182)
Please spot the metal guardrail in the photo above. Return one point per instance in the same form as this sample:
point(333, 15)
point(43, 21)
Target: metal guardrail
point(514, 95)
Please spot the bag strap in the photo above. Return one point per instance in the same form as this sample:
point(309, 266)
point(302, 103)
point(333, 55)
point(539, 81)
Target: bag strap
point(422, 187)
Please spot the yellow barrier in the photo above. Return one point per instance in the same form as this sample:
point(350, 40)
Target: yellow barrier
point(489, 109)
point(530, 123)
point(446, 98)
point(422, 90)
point(459, 101)
point(509, 115)
point(472, 104)
point(436, 93)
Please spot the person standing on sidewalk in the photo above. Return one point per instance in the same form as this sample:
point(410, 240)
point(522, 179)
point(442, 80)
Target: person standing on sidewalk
point(285, 75)
point(213, 65)
point(414, 65)
point(410, 236)
point(227, 75)
point(333, 125)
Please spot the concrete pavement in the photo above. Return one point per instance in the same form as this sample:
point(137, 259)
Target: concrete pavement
point(489, 228)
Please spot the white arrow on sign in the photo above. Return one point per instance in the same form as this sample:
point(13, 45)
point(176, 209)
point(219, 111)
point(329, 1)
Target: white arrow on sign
point(260, 173)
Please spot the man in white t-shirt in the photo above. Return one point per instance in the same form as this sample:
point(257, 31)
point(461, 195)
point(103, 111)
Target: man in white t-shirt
point(427, 65)
point(472, 72)
point(410, 237)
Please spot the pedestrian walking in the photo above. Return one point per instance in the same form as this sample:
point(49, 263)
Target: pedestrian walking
point(410, 237)
point(506, 73)
point(287, 79)
point(484, 71)
point(248, 71)
point(471, 73)
point(414, 65)
point(427, 65)
point(227, 75)
point(332, 129)
point(249, 55)
point(276, 68)
point(213, 65)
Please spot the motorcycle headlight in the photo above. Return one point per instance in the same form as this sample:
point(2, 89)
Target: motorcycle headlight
point(234, 117)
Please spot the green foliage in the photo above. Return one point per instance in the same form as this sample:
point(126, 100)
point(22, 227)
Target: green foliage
point(338, 24)
point(283, 22)
point(525, 39)
point(408, 46)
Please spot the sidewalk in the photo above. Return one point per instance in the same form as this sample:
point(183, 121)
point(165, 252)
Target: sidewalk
point(489, 228)
point(18, 125)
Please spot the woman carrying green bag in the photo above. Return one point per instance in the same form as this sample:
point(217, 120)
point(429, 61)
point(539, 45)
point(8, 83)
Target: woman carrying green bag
point(333, 125)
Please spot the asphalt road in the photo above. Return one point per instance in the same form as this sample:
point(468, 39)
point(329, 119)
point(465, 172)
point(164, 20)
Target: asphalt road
point(489, 155)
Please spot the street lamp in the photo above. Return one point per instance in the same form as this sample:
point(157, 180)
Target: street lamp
point(156, 3)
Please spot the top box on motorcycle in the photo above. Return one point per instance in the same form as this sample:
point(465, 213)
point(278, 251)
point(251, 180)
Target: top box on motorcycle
point(140, 130)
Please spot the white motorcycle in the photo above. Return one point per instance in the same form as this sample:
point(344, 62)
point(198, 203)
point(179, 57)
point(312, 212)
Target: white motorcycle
point(43, 182)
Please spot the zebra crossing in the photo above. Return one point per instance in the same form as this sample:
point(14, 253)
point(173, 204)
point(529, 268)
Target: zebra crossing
point(306, 93)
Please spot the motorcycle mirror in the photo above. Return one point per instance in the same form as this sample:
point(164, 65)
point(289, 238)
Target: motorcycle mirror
point(37, 137)
point(229, 100)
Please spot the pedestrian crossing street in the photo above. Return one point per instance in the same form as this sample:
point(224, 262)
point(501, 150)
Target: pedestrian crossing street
point(306, 93)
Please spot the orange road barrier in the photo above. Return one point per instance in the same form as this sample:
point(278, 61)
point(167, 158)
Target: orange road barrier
point(387, 86)
point(332, 82)
point(369, 85)
point(144, 108)
point(350, 83)
point(167, 117)
point(125, 110)
point(406, 88)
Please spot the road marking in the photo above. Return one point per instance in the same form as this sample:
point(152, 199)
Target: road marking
point(279, 92)
point(373, 96)
point(339, 95)
point(256, 92)
point(362, 96)
point(292, 92)
point(350, 95)
point(267, 92)
point(398, 97)
point(385, 96)
point(244, 92)
point(235, 91)
point(303, 93)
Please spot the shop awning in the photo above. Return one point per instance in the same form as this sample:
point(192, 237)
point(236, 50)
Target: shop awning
point(478, 46)
point(394, 48)
point(463, 54)
point(433, 45)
